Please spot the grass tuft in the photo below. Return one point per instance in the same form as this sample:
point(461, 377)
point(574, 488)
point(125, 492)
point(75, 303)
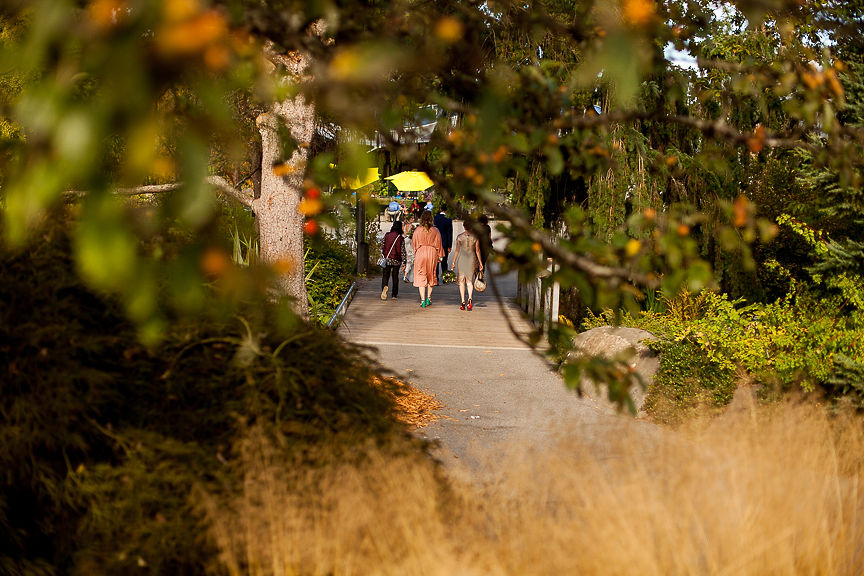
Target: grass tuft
point(754, 492)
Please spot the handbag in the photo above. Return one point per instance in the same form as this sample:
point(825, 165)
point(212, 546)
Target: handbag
point(382, 261)
point(480, 282)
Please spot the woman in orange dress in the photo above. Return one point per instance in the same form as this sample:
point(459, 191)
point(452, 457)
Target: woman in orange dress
point(428, 251)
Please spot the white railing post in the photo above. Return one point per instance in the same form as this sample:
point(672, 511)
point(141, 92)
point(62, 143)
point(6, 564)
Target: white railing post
point(539, 304)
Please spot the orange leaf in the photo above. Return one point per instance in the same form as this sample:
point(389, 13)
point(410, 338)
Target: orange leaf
point(740, 210)
point(757, 141)
point(192, 36)
point(106, 13)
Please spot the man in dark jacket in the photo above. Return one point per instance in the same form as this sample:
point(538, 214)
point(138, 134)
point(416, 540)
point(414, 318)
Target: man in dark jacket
point(445, 227)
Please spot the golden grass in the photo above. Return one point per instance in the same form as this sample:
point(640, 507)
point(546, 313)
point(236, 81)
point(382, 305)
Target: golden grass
point(765, 492)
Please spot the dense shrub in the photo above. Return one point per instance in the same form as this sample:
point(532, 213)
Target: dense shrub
point(687, 380)
point(330, 271)
point(803, 341)
point(103, 442)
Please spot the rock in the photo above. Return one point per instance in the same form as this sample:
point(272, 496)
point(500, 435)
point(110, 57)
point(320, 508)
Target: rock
point(608, 341)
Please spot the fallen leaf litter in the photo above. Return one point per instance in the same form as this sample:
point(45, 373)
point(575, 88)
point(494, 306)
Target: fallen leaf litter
point(413, 407)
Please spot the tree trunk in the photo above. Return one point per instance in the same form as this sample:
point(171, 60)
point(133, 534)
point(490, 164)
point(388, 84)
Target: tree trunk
point(280, 224)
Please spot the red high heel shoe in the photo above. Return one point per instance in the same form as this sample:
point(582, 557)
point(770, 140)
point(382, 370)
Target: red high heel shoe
point(470, 304)
point(462, 307)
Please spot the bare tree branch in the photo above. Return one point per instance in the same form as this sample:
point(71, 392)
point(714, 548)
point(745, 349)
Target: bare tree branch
point(612, 274)
point(151, 189)
point(217, 182)
point(223, 186)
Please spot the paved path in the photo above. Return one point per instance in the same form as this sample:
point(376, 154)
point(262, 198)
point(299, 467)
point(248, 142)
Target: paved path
point(497, 392)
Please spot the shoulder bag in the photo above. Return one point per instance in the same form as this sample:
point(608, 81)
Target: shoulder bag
point(480, 282)
point(382, 261)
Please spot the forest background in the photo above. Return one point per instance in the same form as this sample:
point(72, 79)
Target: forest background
point(717, 204)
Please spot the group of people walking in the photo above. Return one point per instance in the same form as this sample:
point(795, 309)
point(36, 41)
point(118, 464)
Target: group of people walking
point(430, 244)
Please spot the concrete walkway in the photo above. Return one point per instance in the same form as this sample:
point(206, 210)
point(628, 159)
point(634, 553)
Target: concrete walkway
point(498, 394)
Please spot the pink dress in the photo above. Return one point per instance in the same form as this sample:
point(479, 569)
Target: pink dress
point(427, 250)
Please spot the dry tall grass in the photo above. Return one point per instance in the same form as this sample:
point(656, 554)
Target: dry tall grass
point(759, 492)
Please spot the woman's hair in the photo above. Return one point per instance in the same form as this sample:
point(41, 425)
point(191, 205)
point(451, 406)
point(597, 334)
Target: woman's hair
point(483, 219)
point(426, 219)
point(397, 226)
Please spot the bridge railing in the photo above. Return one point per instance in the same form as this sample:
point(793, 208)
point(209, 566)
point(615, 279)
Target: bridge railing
point(339, 314)
point(539, 297)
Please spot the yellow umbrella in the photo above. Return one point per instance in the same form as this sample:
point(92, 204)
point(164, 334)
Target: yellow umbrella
point(410, 181)
point(370, 176)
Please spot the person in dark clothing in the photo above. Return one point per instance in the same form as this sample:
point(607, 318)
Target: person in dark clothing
point(393, 250)
point(445, 227)
point(485, 238)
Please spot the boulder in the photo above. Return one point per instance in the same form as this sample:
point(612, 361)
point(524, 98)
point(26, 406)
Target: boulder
point(607, 342)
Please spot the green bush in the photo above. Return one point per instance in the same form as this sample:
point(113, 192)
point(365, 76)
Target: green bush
point(804, 340)
point(330, 271)
point(104, 442)
point(687, 379)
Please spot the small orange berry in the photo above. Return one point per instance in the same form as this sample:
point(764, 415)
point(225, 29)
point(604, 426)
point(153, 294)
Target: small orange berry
point(215, 262)
point(499, 154)
point(638, 12)
point(310, 206)
point(449, 29)
point(217, 57)
point(311, 227)
point(283, 266)
point(283, 169)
